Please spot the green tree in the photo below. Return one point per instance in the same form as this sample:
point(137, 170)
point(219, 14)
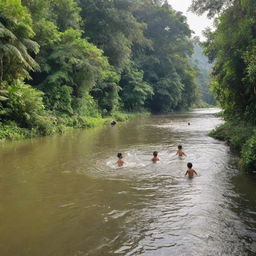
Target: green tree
point(24, 104)
point(63, 13)
point(105, 92)
point(111, 26)
point(135, 91)
point(212, 7)
point(166, 63)
point(16, 45)
point(231, 47)
point(76, 63)
point(19, 102)
point(71, 67)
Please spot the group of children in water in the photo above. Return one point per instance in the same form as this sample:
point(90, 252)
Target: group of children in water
point(190, 172)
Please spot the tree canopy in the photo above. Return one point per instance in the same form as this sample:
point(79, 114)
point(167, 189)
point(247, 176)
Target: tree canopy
point(212, 7)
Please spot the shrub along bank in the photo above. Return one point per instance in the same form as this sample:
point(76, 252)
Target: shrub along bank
point(58, 125)
point(241, 137)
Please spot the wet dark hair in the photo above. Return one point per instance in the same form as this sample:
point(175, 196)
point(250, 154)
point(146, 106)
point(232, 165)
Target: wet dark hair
point(179, 147)
point(155, 153)
point(189, 165)
point(119, 155)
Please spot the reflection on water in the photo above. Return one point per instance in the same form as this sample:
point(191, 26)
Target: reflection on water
point(65, 195)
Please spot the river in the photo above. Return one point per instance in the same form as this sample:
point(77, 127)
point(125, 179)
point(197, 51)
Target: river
point(65, 196)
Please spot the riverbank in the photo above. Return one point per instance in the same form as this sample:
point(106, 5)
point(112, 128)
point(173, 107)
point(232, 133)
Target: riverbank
point(59, 125)
point(241, 137)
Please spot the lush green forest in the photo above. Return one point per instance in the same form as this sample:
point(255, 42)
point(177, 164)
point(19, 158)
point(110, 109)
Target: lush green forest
point(232, 50)
point(68, 63)
point(203, 78)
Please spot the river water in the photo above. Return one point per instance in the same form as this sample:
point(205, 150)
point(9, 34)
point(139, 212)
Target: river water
point(65, 196)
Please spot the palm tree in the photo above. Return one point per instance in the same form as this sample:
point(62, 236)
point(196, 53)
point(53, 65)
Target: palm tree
point(16, 48)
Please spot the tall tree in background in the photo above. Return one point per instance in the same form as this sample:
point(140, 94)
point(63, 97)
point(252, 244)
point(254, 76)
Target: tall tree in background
point(135, 91)
point(232, 49)
point(166, 63)
point(111, 26)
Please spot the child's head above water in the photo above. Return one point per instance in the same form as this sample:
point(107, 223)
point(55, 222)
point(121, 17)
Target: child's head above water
point(179, 147)
point(189, 165)
point(155, 153)
point(119, 155)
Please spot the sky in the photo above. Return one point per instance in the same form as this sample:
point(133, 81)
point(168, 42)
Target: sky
point(196, 23)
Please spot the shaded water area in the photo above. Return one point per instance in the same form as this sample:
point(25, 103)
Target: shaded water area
point(65, 196)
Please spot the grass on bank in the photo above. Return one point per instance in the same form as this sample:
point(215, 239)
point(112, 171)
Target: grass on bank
point(241, 137)
point(49, 125)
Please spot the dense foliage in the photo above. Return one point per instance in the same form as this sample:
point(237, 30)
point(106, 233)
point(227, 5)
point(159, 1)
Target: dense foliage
point(67, 60)
point(212, 7)
point(232, 49)
point(204, 78)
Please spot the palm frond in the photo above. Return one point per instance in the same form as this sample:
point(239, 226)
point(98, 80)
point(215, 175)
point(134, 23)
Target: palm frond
point(31, 45)
point(2, 98)
point(6, 33)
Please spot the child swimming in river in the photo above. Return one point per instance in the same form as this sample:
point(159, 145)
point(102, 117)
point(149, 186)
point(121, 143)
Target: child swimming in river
point(155, 158)
point(179, 152)
point(190, 171)
point(120, 161)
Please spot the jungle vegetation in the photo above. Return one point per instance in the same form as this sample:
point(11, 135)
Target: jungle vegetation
point(65, 63)
point(231, 47)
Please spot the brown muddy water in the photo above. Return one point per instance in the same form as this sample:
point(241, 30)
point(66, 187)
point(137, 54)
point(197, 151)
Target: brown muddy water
point(65, 196)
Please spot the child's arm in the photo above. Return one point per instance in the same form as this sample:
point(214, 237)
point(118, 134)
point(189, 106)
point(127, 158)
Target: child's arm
point(186, 173)
point(195, 172)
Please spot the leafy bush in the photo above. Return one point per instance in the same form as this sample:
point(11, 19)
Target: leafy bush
point(86, 106)
point(242, 137)
point(234, 132)
point(24, 104)
point(11, 131)
point(248, 157)
point(44, 125)
point(58, 98)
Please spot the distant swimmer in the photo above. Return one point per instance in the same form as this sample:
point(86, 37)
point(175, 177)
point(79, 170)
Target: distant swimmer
point(179, 152)
point(190, 171)
point(155, 158)
point(188, 123)
point(120, 161)
point(113, 123)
